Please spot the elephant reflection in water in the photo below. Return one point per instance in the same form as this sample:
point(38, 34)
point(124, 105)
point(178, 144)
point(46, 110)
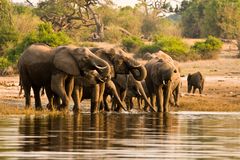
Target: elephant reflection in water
point(97, 131)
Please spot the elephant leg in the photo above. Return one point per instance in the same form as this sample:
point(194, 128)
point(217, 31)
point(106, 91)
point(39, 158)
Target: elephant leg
point(38, 104)
point(160, 99)
point(189, 88)
point(101, 93)
point(131, 103)
point(58, 86)
point(128, 103)
point(95, 99)
point(27, 93)
point(104, 103)
point(166, 95)
point(200, 90)
point(153, 100)
point(176, 96)
point(49, 93)
point(194, 89)
point(122, 98)
point(69, 86)
point(77, 97)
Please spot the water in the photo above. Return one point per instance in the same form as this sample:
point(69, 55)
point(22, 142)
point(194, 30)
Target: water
point(178, 136)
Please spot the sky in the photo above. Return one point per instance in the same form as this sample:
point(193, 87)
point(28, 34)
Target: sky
point(117, 2)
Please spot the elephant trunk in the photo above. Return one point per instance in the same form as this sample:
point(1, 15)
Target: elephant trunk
point(139, 73)
point(141, 90)
point(113, 89)
point(102, 67)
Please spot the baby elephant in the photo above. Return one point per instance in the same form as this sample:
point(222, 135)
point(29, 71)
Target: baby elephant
point(195, 80)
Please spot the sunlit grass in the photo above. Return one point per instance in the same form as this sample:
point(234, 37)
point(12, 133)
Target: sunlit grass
point(219, 104)
point(16, 110)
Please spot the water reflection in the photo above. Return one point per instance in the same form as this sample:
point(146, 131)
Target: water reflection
point(121, 136)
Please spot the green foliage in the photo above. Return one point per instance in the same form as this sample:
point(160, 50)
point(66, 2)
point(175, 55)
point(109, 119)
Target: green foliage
point(21, 9)
point(173, 46)
point(149, 25)
point(219, 18)
point(4, 62)
point(151, 48)
point(113, 34)
point(44, 34)
point(7, 35)
point(129, 19)
point(209, 48)
point(7, 30)
point(132, 43)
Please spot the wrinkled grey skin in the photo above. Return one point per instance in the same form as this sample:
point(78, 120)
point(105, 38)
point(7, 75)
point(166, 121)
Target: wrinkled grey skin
point(120, 64)
point(134, 89)
point(54, 69)
point(195, 81)
point(160, 76)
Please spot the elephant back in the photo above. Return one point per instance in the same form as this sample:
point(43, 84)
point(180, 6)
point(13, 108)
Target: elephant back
point(36, 53)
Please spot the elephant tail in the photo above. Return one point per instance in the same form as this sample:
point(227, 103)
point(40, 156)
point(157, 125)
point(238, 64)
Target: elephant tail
point(20, 84)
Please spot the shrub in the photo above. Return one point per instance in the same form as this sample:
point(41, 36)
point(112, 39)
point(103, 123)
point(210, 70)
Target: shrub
point(209, 48)
point(113, 34)
point(44, 34)
point(132, 43)
point(4, 62)
point(151, 48)
point(173, 46)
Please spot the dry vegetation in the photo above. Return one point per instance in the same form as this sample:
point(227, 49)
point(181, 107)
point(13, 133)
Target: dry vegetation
point(221, 93)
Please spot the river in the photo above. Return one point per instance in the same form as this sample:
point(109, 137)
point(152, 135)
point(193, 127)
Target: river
point(172, 136)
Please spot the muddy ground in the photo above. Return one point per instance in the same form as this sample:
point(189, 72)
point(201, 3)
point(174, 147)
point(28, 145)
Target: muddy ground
point(221, 92)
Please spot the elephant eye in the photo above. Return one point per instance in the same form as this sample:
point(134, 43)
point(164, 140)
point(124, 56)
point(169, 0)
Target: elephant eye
point(175, 71)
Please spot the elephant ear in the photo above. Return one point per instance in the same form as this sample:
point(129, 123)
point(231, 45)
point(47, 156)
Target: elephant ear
point(64, 61)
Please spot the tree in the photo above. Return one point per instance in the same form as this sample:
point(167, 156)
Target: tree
point(219, 18)
point(7, 31)
point(155, 7)
point(72, 14)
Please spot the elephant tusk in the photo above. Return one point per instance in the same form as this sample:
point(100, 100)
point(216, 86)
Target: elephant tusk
point(135, 67)
point(99, 67)
point(98, 79)
point(164, 82)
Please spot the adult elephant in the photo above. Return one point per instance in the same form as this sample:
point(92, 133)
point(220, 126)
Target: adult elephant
point(119, 63)
point(55, 69)
point(160, 75)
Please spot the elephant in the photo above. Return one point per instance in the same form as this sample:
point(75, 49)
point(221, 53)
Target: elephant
point(134, 89)
point(195, 80)
point(119, 63)
point(91, 88)
point(161, 74)
point(54, 69)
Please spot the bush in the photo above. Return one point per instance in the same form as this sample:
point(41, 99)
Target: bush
point(113, 34)
point(44, 34)
point(132, 43)
point(173, 46)
point(209, 48)
point(4, 63)
point(151, 48)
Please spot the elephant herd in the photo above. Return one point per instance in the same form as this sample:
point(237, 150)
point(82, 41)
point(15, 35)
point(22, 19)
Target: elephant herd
point(78, 73)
